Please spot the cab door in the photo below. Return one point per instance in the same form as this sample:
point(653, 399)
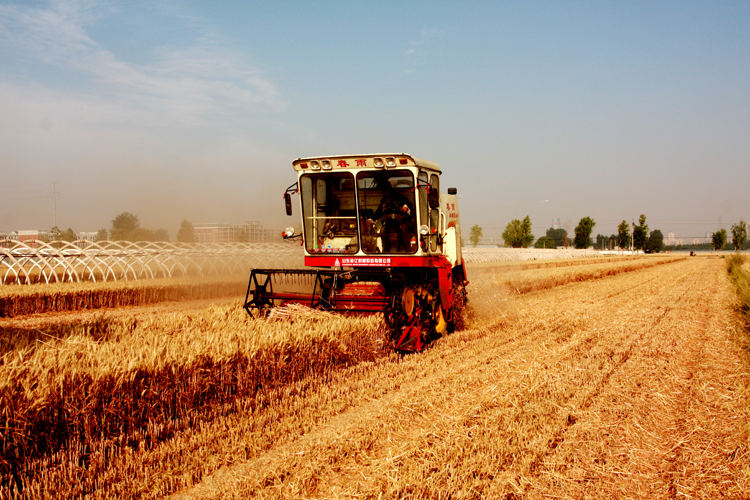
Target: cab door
point(436, 221)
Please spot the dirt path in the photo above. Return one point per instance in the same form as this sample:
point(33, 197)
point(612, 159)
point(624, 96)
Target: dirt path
point(627, 387)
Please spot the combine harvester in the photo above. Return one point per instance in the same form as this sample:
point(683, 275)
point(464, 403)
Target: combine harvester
point(378, 236)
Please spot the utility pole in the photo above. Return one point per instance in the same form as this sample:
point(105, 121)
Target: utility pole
point(54, 204)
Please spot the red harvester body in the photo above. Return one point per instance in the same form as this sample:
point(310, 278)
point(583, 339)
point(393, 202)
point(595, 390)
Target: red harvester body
point(378, 236)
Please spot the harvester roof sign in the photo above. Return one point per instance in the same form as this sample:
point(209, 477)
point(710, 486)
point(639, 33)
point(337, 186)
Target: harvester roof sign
point(379, 161)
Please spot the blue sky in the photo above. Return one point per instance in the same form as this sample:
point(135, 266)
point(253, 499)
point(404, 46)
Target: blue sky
point(194, 110)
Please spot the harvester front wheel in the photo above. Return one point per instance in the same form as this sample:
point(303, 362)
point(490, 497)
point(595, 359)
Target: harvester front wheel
point(415, 318)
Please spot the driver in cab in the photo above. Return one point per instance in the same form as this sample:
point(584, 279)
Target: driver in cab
point(397, 218)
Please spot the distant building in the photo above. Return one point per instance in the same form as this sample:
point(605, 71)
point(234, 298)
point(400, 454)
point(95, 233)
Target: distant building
point(87, 235)
point(86, 238)
point(29, 236)
point(249, 232)
point(556, 224)
point(672, 241)
point(257, 234)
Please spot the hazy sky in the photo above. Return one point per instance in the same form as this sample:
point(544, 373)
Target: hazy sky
point(194, 110)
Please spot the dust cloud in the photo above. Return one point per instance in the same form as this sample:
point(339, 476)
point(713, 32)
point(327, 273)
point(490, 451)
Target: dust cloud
point(488, 300)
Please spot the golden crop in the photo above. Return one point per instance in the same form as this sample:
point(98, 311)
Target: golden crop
point(76, 392)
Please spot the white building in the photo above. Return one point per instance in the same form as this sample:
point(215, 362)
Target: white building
point(87, 235)
point(249, 232)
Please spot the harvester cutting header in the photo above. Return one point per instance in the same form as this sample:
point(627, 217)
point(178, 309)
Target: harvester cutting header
point(382, 239)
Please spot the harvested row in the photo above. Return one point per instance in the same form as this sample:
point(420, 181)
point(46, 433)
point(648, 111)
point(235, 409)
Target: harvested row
point(477, 255)
point(523, 265)
point(673, 422)
point(603, 389)
point(78, 394)
point(43, 298)
point(491, 285)
point(543, 279)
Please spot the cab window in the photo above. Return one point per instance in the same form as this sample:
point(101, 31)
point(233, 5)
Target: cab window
point(329, 213)
point(387, 211)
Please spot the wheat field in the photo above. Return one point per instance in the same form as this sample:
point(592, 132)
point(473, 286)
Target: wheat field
point(579, 380)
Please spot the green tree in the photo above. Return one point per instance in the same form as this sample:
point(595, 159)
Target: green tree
point(655, 243)
point(139, 234)
point(719, 239)
point(601, 242)
point(545, 242)
point(102, 235)
point(186, 232)
point(123, 225)
point(55, 234)
point(583, 233)
point(475, 235)
point(517, 233)
point(612, 243)
point(739, 235)
point(640, 234)
point(623, 235)
point(559, 235)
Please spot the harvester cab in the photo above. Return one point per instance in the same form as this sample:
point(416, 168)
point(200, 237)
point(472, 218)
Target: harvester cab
point(378, 236)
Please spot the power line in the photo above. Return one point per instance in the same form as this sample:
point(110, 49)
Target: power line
point(46, 196)
point(15, 186)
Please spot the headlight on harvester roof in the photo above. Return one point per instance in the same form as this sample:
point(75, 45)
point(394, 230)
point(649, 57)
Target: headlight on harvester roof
point(378, 162)
point(326, 164)
point(314, 165)
point(390, 162)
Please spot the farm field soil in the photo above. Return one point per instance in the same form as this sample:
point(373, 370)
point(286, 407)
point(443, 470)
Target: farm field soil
point(631, 386)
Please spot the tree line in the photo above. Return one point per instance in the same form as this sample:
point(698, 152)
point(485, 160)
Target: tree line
point(518, 234)
point(127, 227)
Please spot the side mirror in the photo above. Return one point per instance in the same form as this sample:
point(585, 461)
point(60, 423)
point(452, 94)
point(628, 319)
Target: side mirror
point(288, 203)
